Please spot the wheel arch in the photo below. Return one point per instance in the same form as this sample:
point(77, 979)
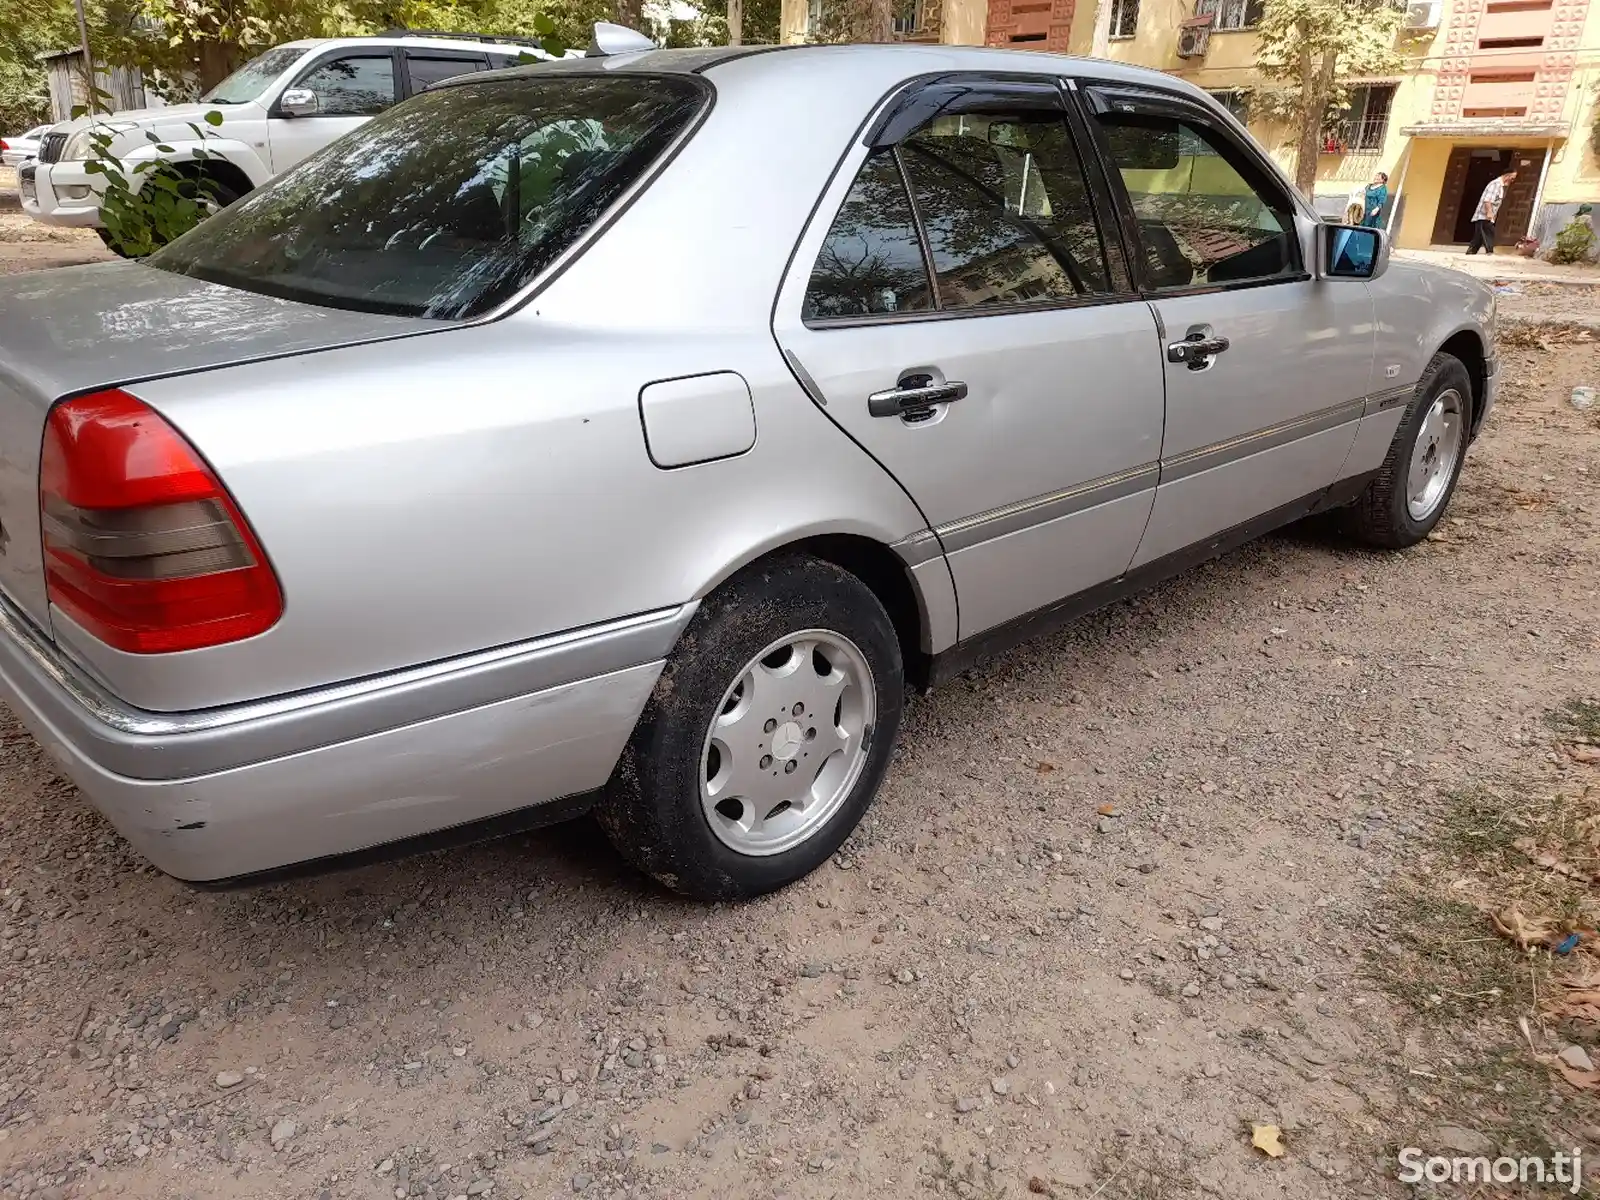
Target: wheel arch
point(913, 599)
point(230, 174)
point(1467, 346)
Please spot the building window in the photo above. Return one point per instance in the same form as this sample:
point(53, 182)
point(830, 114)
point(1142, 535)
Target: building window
point(1237, 102)
point(1124, 18)
point(1230, 14)
point(1365, 124)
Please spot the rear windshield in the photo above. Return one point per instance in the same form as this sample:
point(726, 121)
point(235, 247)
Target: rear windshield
point(448, 203)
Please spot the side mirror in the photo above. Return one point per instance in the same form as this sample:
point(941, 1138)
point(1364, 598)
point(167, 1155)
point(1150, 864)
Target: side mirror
point(298, 102)
point(1351, 251)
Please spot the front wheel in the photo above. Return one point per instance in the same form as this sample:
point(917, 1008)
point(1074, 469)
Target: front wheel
point(766, 737)
point(1413, 487)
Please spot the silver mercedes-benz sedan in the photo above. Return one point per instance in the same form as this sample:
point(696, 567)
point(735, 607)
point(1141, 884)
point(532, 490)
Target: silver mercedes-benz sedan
point(631, 433)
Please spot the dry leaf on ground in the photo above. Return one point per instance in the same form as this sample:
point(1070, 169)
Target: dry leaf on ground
point(1586, 1081)
point(1549, 861)
point(1267, 1139)
point(1584, 754)
point(1525, 932)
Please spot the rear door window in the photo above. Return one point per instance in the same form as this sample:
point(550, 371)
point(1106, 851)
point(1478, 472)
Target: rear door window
point(425, 69)
point(983, 209)
point(450, 203)
point(872, 261)
point(1006, 208)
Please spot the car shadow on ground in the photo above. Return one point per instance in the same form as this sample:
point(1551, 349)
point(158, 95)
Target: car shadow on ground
point(576, 854)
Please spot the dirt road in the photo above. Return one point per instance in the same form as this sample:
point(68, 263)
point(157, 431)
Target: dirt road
point(1124, 896)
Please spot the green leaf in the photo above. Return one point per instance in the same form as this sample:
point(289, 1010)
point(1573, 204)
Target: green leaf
point(79, 110)
point(543, 26)
point(213, 118)
point(149, 136)
point(202, 154)
point(165, 149)
point(94, 168)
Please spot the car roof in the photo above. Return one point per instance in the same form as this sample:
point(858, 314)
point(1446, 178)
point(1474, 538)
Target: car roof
point(903, 59)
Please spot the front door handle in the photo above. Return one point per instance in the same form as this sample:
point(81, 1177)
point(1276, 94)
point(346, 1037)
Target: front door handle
point(1199, 347)
point(914, 394)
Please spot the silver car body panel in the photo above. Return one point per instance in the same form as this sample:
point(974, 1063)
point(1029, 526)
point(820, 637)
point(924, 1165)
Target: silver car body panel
point(489, 537)
point(76, 329)
point(1269, 421)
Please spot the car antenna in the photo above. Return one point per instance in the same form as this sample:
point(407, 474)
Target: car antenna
point(612, 39)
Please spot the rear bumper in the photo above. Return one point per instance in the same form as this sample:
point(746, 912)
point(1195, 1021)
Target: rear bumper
point(257, 788)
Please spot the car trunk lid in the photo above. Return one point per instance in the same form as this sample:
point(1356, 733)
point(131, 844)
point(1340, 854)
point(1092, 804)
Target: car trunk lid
point(78, 329)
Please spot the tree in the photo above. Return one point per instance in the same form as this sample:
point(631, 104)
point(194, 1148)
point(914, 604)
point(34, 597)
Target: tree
point(1313, 47)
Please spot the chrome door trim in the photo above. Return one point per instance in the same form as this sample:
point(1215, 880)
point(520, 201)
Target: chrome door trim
point(1009, 518)
point(918, 548)
point(980, 527)
point(1388, 398)
point(1204, 458)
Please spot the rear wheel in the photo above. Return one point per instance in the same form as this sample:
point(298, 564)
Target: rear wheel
point(1412, 489)
point(767, 735)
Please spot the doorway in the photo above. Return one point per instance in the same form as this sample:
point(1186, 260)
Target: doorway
point(1466, 175)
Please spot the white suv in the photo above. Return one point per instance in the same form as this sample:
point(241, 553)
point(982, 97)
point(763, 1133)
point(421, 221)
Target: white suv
point(276, 109)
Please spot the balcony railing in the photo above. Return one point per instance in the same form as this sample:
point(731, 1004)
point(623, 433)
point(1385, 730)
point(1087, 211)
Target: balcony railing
point(1359, 136)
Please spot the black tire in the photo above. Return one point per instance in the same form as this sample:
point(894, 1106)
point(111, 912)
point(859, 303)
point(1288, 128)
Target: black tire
point(218, 191)
point(652, 810)
point(1381, 517)
point(105, 238)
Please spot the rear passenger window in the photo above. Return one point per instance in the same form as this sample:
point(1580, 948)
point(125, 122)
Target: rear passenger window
point(424, 70)
point(872, 261)
point(1006, 209)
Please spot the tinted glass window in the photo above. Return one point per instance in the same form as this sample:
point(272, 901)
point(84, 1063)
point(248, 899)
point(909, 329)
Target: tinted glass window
point(424, 71)
point(1006, 210)
point(250, 80)
point(447, 204)
point(872, 261)
point(1206, 213)
point(352, 87)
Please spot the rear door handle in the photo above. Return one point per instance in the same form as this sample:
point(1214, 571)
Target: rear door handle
point(1199, 346)
point(915, 393)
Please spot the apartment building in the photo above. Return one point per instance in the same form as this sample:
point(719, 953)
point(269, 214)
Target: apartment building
point(1488, 86)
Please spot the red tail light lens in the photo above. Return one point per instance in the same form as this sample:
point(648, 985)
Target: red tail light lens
point(142, 545)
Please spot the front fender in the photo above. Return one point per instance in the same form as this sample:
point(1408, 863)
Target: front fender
point(1419, 308)
point(240, 154)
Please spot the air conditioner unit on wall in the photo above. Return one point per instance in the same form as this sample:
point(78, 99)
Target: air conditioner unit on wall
point(1424, 14)
point(1193, 36)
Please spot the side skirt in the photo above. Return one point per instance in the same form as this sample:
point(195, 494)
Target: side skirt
point(964, 655)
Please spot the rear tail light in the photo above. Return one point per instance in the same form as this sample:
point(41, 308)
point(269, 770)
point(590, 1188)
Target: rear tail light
point(143, 547)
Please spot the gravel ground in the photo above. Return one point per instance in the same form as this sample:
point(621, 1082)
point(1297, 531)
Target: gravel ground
point(1117, 902)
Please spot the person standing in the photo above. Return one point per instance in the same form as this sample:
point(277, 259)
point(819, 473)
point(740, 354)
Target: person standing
point(1372, 215)
point(1483, 217)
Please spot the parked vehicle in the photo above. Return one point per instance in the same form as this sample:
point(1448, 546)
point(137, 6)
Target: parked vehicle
point(632, 434)
point(277, 109)
point(14, 151)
